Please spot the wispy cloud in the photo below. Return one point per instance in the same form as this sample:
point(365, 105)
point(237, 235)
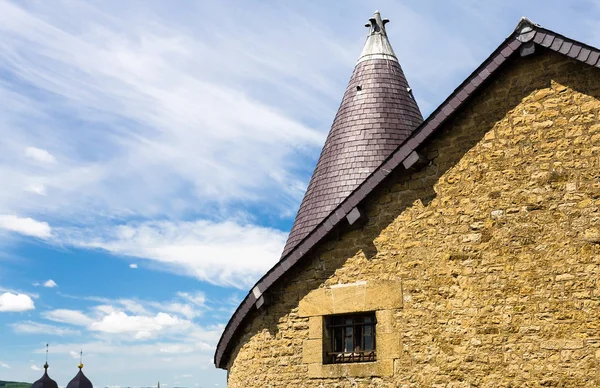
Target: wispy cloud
point(72, 317)
point(158, 113)
point(39, 155)
point(32, 295)
point(30, 327)
point(36, 188)
point(135, 120)
point(224, 253)
point(142, 319)
point(159, 335)
point(25, 225)
point(110, 320)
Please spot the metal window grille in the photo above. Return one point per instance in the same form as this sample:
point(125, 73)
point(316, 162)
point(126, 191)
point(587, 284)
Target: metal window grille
point(351, 338)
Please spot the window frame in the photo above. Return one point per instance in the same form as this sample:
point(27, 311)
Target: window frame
point(336, 328)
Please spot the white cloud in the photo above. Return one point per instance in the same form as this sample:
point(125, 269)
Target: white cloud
point(197, 298)
point(10, 302)
point(36, 368)
point(103, 348)
point(30, 327)
point(13, 291)
point(186, 310)
point(144, 326)
point(185, 304)
point(39, 155)
point(36, 188)
point(133, 266)
point(73, 317)
point(4, 365)
point(130, 319)
point(225, 253)
point(50, 283)
point(27, 226)
point(176, 348)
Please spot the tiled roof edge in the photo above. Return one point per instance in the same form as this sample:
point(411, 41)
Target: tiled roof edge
point(536, 34)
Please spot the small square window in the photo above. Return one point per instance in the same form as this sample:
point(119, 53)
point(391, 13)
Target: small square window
point(350, 338)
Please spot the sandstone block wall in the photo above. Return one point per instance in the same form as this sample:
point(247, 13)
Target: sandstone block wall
point(496, 244)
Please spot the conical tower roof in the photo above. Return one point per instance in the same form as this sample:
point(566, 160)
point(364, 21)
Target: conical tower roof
point(378, 112)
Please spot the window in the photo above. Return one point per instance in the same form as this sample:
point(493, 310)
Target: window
point(350, 338)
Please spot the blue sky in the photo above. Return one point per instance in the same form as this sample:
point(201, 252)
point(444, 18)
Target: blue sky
point(154, 153)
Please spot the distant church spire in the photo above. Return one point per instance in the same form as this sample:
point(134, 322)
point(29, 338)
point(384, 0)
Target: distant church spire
point(80, 380)
point(45, 381)
point(46, 363)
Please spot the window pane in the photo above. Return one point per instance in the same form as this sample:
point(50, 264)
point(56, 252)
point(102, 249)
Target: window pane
point(337, 340)
point(368, 338)
point(348, 339)
point(358, 339)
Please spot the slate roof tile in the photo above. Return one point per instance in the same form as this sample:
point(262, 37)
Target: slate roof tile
point(369, 125)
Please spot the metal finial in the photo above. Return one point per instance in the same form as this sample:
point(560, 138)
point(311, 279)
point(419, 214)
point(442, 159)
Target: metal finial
point(376, 24)
point(80, 366)
point(377, 45)
point(46, 364)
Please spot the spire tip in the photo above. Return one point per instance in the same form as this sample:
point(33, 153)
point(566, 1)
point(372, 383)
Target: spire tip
point(46, 363)
point(377, 44)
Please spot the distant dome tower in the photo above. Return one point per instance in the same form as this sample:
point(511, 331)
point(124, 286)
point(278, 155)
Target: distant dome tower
point(45, 381)
point(80, 381)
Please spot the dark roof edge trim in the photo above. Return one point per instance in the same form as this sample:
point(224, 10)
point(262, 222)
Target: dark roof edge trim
point(526, 31)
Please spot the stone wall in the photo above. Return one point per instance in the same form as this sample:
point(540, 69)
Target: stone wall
point(495, 245)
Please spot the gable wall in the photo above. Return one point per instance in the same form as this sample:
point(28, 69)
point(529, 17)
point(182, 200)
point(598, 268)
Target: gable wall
point(494, 247)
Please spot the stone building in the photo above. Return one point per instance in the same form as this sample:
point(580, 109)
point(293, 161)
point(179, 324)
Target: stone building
point(461, 250)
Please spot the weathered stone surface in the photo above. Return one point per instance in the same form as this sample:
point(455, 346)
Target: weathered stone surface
point(312, 350)
point(315, 327)
point(517, 306)
point(352, 297)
